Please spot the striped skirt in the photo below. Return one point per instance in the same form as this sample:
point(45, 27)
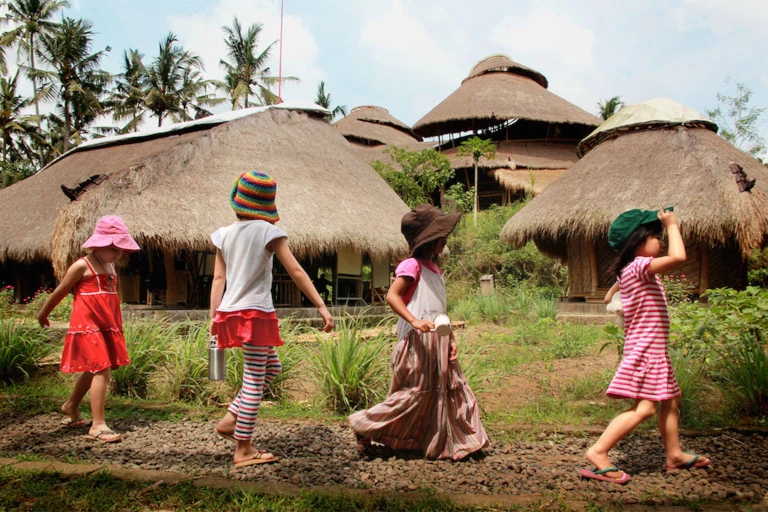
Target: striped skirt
point(429, 408)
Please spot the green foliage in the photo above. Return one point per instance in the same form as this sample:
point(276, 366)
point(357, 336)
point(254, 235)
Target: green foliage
point(351, 372)
point(690, 372)
point(739, 122)
point(415, 175)
point(571, 341)
point(148, 342)
point(678, 289)
point(545, 308)
point(7, 302)
point(61, 313)
point(477, 148)
point(461, 196)
point(615, 339)
point(21, 347)
point(493, 308)
point(744, 369)
point(606, 108)
point(758, 268)
point(291, 355)
point(13, 172)
point(478, 250)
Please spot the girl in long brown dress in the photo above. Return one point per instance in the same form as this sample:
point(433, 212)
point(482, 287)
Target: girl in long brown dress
point(430, 407)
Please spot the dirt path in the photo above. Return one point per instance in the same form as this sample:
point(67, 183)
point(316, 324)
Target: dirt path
point(316, 454)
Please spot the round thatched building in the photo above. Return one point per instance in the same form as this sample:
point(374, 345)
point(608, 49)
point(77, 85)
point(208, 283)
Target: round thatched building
point(535, 130)
point(651, 155)
point(372, 129)
point(172, 188)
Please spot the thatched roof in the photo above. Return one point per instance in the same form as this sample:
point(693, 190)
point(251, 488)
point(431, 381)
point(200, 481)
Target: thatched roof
point(651, 114)
point(172, 189)
point(370, 125)
point(512, 154)
point(527, 180)
point(686, 167)
point(371, 153)
point(496, 90)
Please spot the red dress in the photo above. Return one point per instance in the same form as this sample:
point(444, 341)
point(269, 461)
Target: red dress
point(95, 339)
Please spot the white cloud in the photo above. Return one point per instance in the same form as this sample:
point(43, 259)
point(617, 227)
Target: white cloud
point(202, 34)
point(742, 16)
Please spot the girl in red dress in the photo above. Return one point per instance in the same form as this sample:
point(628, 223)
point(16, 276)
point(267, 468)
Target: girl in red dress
point(94, 344)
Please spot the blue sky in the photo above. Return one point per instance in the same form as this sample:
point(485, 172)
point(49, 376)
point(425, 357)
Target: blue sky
point(407, 55)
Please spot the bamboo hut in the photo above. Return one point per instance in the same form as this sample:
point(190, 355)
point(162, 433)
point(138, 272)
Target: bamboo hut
point(535, 131)
point(372, 129)
point(651, 155)
point(172, 187)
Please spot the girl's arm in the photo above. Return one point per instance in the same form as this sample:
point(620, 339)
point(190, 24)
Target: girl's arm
point(219, 280)
point(73, 275)
point(395, 300)
point(280, 247)
point(676, 252)
point(611, 293)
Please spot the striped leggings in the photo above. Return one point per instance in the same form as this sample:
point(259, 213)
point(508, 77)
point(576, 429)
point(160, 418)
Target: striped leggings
point(261, 367)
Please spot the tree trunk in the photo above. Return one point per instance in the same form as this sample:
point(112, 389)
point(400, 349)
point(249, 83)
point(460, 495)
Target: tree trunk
point(474, 208)
point(34, 95)
point(67, 121)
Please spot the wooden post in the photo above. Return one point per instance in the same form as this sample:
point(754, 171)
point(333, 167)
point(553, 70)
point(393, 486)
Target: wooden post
point(170, 278)
point(593, 267)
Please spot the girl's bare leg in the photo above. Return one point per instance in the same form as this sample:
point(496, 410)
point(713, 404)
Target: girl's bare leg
point(227, 424)
point(72, 406)
point(99, 386)
point(617, 430)
point(670, 432)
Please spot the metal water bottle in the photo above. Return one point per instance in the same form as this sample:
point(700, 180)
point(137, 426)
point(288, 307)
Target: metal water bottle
point(217, 360)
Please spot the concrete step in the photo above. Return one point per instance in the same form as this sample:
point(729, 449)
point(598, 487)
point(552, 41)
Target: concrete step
point(587, 318)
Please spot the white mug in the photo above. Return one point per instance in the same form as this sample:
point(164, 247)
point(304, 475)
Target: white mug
point(442, 325)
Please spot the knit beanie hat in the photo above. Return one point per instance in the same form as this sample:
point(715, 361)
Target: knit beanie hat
point(253, 197)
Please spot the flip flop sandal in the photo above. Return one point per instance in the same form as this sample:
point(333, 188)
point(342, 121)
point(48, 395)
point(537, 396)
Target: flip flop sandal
point(82, 422)
point(101, 437)
point(696, 462)
point(228, 437)
point(599, 474)
point(256, 459)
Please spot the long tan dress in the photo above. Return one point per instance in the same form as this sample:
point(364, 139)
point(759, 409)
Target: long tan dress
point(429, 407)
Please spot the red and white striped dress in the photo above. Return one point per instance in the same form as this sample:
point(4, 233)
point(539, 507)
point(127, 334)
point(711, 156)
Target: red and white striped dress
point(645, 371)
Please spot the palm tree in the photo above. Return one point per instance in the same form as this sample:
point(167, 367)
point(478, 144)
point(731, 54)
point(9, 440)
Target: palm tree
point(609, 107)
point(324, 100)
point(193, 96)
point(477, 148)
point(246, 72)
point(16, 128)
point(126, 101)
point(32, 19)
point(165, 79)
point(76, 79)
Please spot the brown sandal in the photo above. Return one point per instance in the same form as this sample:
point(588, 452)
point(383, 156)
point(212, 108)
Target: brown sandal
point(258, 458)
point(103, 434)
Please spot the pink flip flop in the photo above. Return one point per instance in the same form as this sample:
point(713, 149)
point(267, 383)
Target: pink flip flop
point(599, 474)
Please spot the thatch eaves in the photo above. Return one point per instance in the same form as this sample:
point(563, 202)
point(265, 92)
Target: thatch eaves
point(173, 191)
point(647, 115)
point(511, 154)
point(498, 90)
point(683, 166)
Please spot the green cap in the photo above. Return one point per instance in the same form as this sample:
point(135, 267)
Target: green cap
point(627, 223)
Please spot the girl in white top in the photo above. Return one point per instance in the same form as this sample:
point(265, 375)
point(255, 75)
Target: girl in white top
point(243, 315)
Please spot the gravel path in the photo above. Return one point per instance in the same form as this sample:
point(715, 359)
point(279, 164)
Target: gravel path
point(316, 454)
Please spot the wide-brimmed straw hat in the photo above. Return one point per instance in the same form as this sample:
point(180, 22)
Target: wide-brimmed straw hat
point(111, 230)
point(425, 224)
point(253, 197)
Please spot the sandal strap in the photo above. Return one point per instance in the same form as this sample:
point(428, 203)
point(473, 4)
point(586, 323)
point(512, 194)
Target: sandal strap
point(606, 470)
point(106, 432)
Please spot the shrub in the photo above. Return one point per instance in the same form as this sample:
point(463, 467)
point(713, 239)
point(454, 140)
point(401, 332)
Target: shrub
point(545, 308)
point(61, 313)
point(744, 369)
point(291, 355)
point(678, 289)
point(350, 372)
point(7, 302)
point(690, 374)
point(184, 374)
point(21, 347)
point(148, 343)
point(465, 309)
point(494, 308)
point(572, 341)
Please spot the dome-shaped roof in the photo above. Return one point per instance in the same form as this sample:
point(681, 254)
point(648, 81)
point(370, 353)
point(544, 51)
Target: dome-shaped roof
point(655, 113)
point(500, 63)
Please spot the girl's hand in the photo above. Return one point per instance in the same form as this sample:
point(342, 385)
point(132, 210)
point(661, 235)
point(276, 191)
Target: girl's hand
point(327, 318)
point(453, 353)
point(667, 218)
point(43, 321)
point(423, 325)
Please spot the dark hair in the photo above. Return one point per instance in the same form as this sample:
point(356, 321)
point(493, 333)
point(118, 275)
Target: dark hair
point(638, 237)
point(426, 251)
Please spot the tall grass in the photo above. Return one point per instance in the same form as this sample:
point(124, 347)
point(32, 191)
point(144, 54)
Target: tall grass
point(149, 343)
point(545, 308)
point(690, 375)
point(21, 347)
point(351, 372)
point(744, 370)
point(494, 308)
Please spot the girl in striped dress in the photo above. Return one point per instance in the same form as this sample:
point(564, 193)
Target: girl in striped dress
point(645, 374)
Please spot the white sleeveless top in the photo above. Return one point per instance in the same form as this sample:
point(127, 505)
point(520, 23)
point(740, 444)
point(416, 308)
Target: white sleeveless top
point(427, 302)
